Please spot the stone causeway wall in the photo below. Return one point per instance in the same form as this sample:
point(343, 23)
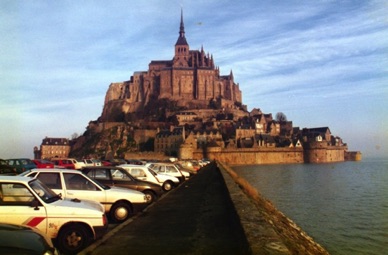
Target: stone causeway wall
point(267, 229)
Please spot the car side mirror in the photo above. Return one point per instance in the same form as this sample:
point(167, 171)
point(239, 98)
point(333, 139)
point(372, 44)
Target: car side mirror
point(35, 203)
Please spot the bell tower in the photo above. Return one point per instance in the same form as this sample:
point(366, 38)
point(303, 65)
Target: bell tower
point(182, 55)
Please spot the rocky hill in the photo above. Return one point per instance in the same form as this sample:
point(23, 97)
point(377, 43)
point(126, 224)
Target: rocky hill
point(150, 99)
point(185, 93)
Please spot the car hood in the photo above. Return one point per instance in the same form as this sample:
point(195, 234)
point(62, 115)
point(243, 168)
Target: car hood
point(78, 204)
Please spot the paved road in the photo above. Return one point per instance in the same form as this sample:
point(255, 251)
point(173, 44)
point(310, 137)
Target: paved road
point(198, 217)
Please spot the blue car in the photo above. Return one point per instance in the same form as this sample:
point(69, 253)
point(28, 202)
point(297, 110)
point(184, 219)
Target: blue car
point(21, 165)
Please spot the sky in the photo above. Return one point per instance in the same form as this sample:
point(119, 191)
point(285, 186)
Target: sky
point(322, 63)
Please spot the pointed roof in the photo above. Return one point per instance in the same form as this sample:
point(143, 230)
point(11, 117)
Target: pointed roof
point(181, 39)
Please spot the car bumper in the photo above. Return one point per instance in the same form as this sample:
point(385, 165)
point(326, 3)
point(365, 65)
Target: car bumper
point(101, 230)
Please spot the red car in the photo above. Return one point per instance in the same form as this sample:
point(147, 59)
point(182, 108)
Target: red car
point(106, 163)
point(42, 163)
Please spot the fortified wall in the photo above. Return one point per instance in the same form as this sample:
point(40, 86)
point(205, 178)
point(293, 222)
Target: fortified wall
point(257, 156)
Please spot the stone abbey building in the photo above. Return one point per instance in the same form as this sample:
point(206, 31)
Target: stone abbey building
point(190, 79)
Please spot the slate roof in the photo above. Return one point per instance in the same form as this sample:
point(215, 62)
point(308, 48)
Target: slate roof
point(55, 141)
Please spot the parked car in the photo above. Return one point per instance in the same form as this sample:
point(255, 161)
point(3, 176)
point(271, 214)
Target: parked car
point(68, 163)
point(80, 163)
point(119, 203)
point(134, 162)
point(42, 163)
point(169, 169)
point(113, 162)
point(167, 182)
point(21, 164)
point(63, 163)
point(72, 223)
point(6, 169)
point(92, 162)
point(106, 163)
point(187, 166)
point(118, 177)
point(17, 239)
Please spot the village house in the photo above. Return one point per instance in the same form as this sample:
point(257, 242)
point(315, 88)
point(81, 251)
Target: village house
point(169, 141)
point(53, 148)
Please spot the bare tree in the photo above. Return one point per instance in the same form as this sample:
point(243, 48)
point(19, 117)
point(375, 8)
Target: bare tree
point(281, 117)
point(74, 136)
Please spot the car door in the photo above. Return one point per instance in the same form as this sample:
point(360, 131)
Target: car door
point(72, 185)
point(16, 207)
point(121, 178)
point(78, 186)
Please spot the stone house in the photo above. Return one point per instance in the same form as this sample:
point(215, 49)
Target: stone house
point(53, 148)
point(169, 141)
point(265, 140)
point(205, 137)
point(321, 134)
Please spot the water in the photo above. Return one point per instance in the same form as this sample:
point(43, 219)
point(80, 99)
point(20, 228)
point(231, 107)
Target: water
point(343, 206)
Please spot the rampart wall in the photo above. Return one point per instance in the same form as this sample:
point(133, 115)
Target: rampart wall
point(267, 155)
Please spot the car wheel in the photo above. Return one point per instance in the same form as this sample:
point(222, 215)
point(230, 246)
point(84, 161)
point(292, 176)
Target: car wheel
point(73, 239)
point(150, 196)
point(120, 212)
point(167, 186)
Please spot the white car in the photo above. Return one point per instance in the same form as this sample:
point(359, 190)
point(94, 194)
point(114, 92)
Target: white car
point(73, 224)
point(119, 203)
point(143, 173)
point(92, 162)
point(169, 169)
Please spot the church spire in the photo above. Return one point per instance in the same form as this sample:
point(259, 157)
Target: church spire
point(182, 26)
point(181, 39)
point(182, 49)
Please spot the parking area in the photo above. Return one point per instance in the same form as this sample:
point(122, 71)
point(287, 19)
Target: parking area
point(196, 218)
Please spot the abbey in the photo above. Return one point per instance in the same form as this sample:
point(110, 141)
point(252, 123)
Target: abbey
point(191, 79)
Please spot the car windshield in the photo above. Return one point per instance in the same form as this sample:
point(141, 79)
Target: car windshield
point(45, 193)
